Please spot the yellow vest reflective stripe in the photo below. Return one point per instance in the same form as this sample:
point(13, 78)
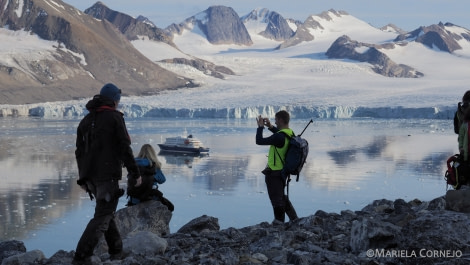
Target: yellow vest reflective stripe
point(274, 161)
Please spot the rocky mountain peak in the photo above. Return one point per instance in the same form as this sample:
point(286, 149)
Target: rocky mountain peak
point(278, 28)
point(392, 28)
point(445, 37)
point(129, 26)
point(146, 20)
point(222, 25)
point(303, 32)
point(258, 14)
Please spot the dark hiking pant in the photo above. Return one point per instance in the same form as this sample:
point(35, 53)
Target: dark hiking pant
point(280, 202)
point(275, 185)
point(101, 224)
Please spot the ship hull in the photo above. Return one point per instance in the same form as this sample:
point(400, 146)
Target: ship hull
point(182, 149)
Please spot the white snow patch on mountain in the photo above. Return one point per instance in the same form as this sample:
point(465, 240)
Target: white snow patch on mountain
point(292, 25)
point(351, 26)
point(157, 51)
point(362, 49)
point(19, 47)
point(19, 10)
point(463, 42)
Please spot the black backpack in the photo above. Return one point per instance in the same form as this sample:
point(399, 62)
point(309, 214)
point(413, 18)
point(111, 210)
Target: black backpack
point(144, 192)
point(456, 173)
point(296, 155)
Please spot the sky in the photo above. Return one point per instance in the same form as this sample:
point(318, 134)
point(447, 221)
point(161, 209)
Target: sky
point(406, 14)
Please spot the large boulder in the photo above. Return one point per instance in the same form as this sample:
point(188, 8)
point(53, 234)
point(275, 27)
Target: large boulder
point(200, 224)
point(144, 244)
point(149, 216)
point(10, 248)
point(30, 257)
point(458, 200)
point(369, 233)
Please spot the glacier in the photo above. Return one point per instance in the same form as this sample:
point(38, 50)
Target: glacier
point(144, 110)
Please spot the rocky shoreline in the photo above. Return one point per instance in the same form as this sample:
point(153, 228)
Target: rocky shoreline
point(383, 232)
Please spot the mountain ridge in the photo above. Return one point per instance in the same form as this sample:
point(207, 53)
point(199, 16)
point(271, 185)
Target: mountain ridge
point(310, 39)
point(135, 28)
point(87, 54)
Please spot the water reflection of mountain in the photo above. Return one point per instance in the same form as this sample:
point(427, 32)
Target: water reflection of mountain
point(38, 183)
point(420, 154)
point(182, 159)
point(222, 173)
point(433, 164)
point(24, 210)
point(371, 150)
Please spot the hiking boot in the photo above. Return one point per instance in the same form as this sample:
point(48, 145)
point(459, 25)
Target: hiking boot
point(290, 211)
point(277, 222)
point(279, 213)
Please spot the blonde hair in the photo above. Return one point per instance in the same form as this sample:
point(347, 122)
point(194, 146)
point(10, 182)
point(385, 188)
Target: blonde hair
point(147, 151)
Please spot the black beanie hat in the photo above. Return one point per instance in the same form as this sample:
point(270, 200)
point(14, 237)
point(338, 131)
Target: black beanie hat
point(111, 91)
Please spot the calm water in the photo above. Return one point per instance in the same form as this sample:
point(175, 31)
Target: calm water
point(351, 163)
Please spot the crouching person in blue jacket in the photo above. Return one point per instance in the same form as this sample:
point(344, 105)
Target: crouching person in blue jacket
point(152, 175)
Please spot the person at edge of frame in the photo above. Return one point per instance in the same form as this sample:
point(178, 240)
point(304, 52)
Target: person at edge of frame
point(460, 112)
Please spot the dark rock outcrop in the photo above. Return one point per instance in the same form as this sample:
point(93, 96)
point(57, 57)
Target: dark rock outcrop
point(204, 66)
point(223, 26)
point(11, 248)
point(151, 216)
point(457, 200)
point(383, 232)
point(301, 34)
point(392, 28)
point(201, 224)
point(277, 27)
point(345, 48)
point(327, 14)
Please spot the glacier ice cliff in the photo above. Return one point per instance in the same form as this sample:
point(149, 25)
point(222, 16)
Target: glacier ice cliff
point(135, 110)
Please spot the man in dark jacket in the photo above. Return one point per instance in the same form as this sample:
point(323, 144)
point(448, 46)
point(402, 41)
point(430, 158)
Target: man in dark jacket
point(103, 146)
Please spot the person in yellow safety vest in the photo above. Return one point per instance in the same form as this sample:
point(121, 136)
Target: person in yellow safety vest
point(275, 183)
